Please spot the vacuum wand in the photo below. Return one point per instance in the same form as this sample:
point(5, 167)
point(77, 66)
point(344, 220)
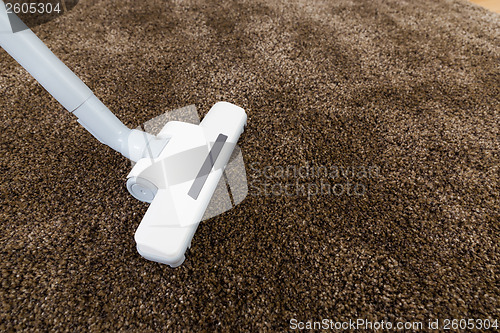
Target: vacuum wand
point(177, 171)
point(31, 53)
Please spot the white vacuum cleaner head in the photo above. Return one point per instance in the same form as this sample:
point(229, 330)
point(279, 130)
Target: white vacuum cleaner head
point(177, 171)
point(181, 180)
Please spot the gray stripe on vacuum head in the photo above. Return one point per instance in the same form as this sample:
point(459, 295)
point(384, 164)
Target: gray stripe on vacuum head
point(207, 166)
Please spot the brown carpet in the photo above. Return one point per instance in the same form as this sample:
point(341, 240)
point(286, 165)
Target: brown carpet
point(410, 88)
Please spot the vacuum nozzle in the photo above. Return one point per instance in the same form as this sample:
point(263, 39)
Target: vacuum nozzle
point(180, 182)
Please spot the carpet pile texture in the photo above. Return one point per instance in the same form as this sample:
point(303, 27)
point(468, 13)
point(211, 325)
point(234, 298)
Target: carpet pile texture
point(397, 100)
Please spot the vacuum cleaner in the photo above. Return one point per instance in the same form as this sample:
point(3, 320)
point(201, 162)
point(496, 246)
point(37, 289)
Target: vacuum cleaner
point(176, 171)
